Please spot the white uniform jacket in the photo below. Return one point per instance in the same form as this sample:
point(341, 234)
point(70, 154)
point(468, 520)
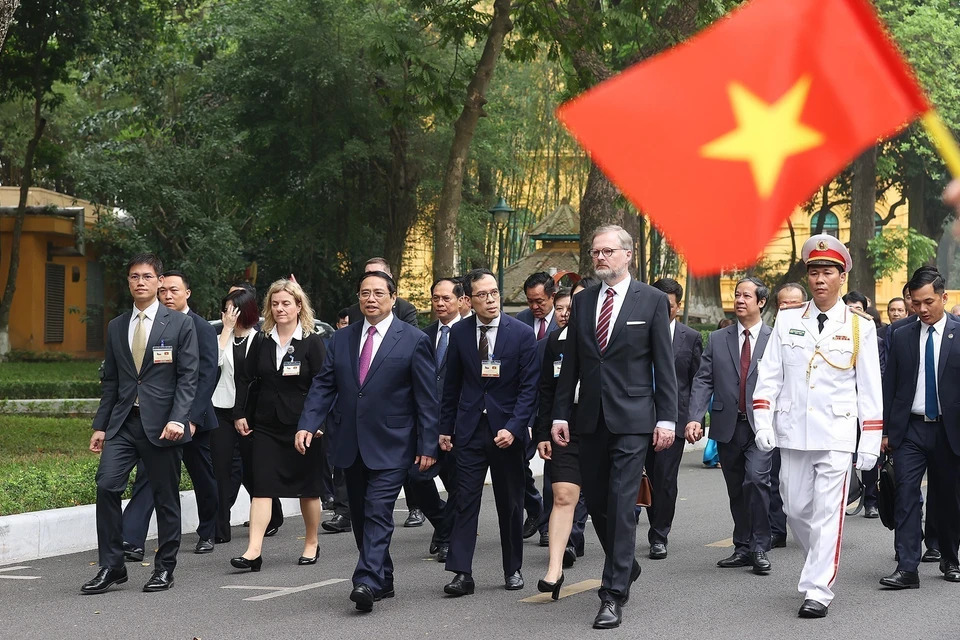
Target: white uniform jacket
point(806, 381)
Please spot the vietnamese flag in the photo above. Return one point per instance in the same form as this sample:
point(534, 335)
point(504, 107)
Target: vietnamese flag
point(720, 138)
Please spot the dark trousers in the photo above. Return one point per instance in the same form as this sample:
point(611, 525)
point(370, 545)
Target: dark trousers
point(440, 513)
point(162, 464)
point(474, 457)
point(778, 519)
point(341, 501)
point(926, 449)
point(199, 464)
point(869, 479)
point(533, 502)
point(327, 489)
point(227, 469)
point(746, 471)
point(663, 467)
point(611, 466)
point(373, 495)
point(580, 514)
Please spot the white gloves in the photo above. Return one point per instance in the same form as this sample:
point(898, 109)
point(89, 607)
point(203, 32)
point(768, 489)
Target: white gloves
point(765, 440)
point(865, 461)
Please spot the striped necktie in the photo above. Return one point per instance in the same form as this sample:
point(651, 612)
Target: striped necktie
point(603, 323)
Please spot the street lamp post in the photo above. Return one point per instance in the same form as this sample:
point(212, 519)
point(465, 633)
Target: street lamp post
point(501, 214)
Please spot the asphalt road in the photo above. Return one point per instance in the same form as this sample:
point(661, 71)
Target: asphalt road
point(683, 596)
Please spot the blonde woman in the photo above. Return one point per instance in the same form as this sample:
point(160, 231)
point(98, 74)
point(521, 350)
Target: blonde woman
point(284, 358)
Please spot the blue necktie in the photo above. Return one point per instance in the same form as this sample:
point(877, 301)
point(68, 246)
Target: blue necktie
point(930, 374)
point(442, 346)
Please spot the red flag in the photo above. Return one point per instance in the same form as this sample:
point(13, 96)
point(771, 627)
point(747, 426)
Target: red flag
point(720, 138)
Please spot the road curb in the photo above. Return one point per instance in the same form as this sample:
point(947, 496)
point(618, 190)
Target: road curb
point(50, 406)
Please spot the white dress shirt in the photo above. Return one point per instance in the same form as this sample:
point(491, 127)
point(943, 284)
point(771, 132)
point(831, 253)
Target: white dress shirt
point(456, 319)
point(620, 291)
point(381, 331)
point(919, 398)
point(754, 334)
point(225, 395)
point(151, 314)
point(491, 335)
point(282, 348)
point(673, 329)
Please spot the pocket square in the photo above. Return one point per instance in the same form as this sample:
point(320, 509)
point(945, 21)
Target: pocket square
point(636, 322)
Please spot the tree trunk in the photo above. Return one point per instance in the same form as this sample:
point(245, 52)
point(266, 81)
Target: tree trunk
point(445, 226)
point(7, 8)
point(596, 210)
point(916, 189)
point(402, 206)
point(862, 211)
point(704, 305)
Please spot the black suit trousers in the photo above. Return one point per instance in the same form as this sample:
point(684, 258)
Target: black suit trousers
point(746, 471)
point(474, 457)
point(439, 513)
point(663, 467)
point(611, 466)
point(227, 469)
point(162, 464)
point(925, 448)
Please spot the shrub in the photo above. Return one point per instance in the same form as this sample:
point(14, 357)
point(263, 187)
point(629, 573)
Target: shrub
point(18, 355)
point(23, 389)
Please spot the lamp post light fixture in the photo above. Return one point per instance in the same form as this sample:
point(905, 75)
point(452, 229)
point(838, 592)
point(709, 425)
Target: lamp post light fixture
point(501, 216)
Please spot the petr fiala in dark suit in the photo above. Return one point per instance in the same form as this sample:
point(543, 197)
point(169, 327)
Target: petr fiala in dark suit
point(618, 346)
point(378, 379)
point(149, 385)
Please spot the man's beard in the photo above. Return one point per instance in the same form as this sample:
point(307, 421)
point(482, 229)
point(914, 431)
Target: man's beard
point(610, 274)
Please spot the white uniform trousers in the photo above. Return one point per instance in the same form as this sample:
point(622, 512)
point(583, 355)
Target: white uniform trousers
point(813, 485)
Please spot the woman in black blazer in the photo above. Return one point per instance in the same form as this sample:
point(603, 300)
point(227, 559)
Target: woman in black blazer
point(284, 358)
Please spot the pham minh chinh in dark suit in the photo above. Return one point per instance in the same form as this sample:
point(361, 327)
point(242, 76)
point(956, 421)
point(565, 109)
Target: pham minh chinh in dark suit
point(379, 381)
point(628, 394)
point(144, 414)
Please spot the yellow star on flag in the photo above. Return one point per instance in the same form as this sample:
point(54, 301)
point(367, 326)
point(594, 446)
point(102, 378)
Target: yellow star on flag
point(766, 134)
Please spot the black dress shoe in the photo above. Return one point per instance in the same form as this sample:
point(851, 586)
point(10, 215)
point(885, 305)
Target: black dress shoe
point(931, 555)
point(609, 616)
point(386, 592)
point(812, 609)
point(531, 526)
point(736, 560)
point(302, 560)
point(434, 547)
point(132, 553)
point(414, 519)
point(271, 530)
point(461, 585)
point(204, 546)
point(243, 563)
point(337, 524)
point(951, 572)
point(634, 576)
point(871, 512)
point(442, 552)
point(363, 597)
point(161, 580)
point(761, 566)
point(221, 540)
point(104, 579)
point(545, 539)
point(901, 580)
point(569, 557)
point(778, 541)
point(513, 582)
point(553, 588)
point(658, 551)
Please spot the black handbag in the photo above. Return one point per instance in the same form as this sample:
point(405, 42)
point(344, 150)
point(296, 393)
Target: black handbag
point(886, 494)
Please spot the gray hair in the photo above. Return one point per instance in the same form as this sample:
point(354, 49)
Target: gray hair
point(793, 285)
point(762, 291)
point(624, 238)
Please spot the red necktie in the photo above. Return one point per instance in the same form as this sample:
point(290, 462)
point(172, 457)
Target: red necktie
point(744, 370)
point(542, 331)
point(603, 323)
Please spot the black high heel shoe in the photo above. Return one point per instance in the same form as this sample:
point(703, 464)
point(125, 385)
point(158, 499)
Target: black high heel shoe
point(305, 560)
point(243, 563)
point(553, 588)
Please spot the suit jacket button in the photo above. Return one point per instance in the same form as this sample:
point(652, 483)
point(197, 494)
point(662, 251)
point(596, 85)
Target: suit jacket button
point(360, 395)
point(139, 381)
point(601, 360)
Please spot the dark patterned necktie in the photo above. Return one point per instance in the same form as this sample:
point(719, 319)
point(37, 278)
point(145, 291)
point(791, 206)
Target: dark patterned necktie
point(603, 322)
point(484, 345)
point(744, 370)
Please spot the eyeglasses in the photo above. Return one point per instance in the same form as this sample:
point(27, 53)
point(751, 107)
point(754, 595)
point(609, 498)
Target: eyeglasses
point(486, 295)
point(606, 251)
point(136, 277)
point(378, 295)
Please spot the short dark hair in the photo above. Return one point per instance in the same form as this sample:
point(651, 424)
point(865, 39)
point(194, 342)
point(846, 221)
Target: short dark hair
point(246, 286)
point(892, 300)
point(852, 297)
point(762, 291)
point(792, 285)
point(541, 278)
point(176, 273)
point(924, 276)
point(724, 323)
point(472, 276)
point(343, 313)
point(563, 292)
point(391, 285)
point(668, 286)
point(873, 313)
point(587, 282)
point(904, 291)
point(246, 302)
point(457, 286)
point(149, 259)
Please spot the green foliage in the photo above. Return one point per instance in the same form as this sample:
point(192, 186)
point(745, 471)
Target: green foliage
point(29, 371)
point(38, 356)
point(889, 249)
point(58, 389)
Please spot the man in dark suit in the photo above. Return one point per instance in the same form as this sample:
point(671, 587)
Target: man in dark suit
point(618, 346)
point(174, 293)
point(728, 372)
point(489, 395)
point(540, 315)
point(664, 466)
point(444, 294)
point(149, 385)
point(378, 378)
point(922, 428)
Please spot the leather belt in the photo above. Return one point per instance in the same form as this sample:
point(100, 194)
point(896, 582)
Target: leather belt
point(135, 410)
point(741, 416)
point(923, 418)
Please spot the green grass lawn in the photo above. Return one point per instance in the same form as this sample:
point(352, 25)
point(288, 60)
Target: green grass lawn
point(45, 464)
point(43, 371)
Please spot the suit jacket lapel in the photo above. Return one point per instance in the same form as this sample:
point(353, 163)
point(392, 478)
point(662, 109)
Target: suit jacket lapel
point(159, 325)
point(357, 329)
point(733, 343)
point(677, 340)
point(387, 344)
point(126, 356)
point(946, 344)
point(913, 344)
point(809, 320)
point(629, 302)
point(502, 330)
point(761, 344)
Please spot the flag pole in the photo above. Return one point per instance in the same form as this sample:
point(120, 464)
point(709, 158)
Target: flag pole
point(943, 140)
